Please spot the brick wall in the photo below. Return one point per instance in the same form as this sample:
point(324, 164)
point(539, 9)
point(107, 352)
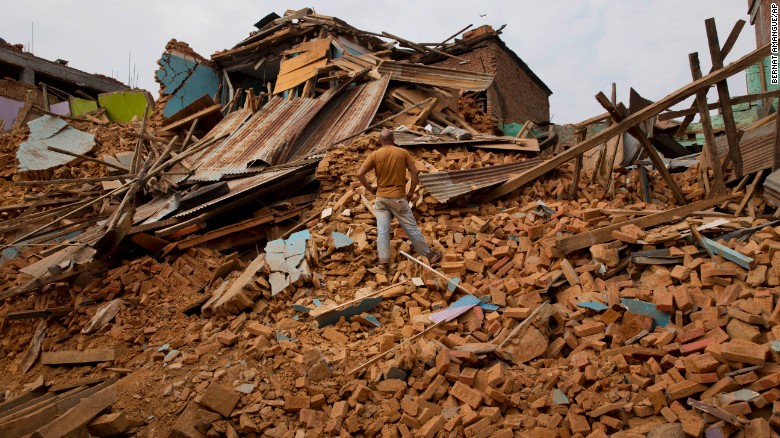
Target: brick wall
point(762, 22)
point(13, 89)
point(514, 96)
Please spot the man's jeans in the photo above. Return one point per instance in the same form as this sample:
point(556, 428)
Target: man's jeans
point(386, 208)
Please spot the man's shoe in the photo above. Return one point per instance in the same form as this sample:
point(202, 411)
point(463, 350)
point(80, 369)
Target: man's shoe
point(434, 257)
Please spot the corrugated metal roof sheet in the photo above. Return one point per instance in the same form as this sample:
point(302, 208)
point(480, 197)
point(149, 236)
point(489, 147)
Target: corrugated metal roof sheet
point(227, 125)
point(436, 76)
point(772, 188)
point(243, 185)
point(756, 148)
point(447, 186)
point(346, 115)
point(264, 138)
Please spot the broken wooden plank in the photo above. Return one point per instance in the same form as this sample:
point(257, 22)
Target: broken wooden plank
point(724, 51)
point(75, 357)
point(224, 231)
point(723, 94)
point(379, 356)
point(234, 299)
point(669, 115)
point(749, 194)
point(727, 253)
point(28, 417)
point(80, 415)
point(711, 151)
point(31, 355)
point(604, 234)
point(717, 412)
point(189, 119)
point(618, 114)
point(43, 313)
point(632, 120)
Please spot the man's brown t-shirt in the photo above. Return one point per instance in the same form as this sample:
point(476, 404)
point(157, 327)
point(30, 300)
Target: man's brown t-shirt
point(389, 164)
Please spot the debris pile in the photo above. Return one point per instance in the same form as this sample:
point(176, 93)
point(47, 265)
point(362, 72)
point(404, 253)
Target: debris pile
point(207, 269)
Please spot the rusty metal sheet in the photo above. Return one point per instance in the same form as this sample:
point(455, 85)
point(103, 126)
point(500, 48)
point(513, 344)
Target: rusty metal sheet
point(345, 115)
point(48, 131)
point(447, 186)
point(244, 185)
point(436, 76)
point(756, 148)
point(772, 188)
point(261, 140)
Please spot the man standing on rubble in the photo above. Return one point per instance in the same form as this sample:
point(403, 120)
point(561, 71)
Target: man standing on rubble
point(390, 164)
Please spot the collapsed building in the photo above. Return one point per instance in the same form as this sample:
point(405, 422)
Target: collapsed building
point(202, 268)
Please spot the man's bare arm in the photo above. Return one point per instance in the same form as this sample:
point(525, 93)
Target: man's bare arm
point(361, 174)
point(413, 171)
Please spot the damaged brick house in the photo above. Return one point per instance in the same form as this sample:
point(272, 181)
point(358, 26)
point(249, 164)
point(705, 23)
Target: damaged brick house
point(517, 93)
point(304, 54)
point(21, 74)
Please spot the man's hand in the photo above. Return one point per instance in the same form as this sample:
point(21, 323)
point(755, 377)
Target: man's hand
point(409, 195)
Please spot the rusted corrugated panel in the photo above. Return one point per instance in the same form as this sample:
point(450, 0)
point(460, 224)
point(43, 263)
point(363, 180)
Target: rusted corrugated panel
point(772, 188)
point(756, 148)
point(446, 186)
point(262, 139)
point(344, 116)
point(436, 76)
point(242, 185)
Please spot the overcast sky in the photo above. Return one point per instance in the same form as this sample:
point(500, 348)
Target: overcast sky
point(577, 47)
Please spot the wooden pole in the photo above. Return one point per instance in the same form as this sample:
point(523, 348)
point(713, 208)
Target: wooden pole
point(84, 157)
point(632, 120)
point(725, 100)
point(449, 281)
point(376, 358)
point(618, 114)
point(724, 51)
point(719, 185)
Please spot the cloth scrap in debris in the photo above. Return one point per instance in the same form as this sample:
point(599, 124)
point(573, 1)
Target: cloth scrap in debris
point(48, 131)
point(341, 240)
point(455, 310)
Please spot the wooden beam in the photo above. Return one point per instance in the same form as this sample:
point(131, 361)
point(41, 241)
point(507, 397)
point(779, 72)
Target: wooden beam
point(618, 114)
point(376, 358)
point(189, 119)
point(632, 120)
point(716, 105)
point(723, 95)
point(71, 357)
point(751, 189)
point(44, 313)
point(711, 150)
point(575, 180)
point(224, 231)
point(82, 414)
point(587, 122)
point(604, 234)
point(84, 157)
point(727, 46)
